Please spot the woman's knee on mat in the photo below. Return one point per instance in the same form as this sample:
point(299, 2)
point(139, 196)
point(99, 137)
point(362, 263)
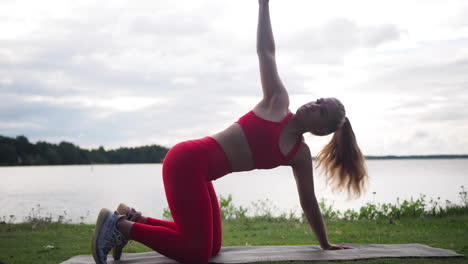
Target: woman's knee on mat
point(216, 248)
point(199, 253)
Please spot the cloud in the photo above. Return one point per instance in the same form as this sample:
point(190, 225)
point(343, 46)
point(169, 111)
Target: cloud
point(332, 41)
point(374, 36)
point(124, 74)
point(436, 77)
point(420, 134)
point(165, 25)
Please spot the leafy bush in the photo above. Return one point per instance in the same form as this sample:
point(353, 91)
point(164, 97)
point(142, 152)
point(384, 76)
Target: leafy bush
point(420, 207)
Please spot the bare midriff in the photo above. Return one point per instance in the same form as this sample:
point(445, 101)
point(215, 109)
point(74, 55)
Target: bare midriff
point(236, 147)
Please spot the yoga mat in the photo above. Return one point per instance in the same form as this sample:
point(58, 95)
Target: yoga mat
point(251, 254)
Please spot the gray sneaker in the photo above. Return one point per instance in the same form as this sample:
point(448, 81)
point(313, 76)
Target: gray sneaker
point(106, 235)
point(129, 212)
point(131, 215)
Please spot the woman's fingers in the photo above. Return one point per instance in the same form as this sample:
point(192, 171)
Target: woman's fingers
point(346, 247)
point(337, 247)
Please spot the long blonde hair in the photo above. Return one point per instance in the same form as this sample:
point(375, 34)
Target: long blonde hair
point(343, 162)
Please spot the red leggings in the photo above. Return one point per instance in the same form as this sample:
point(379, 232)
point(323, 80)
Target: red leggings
point(196, 233)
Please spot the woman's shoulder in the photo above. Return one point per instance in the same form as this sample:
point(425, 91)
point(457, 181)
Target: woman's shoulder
point(272, 111)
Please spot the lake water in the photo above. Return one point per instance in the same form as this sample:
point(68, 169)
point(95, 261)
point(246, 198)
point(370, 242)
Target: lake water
point(79, 192)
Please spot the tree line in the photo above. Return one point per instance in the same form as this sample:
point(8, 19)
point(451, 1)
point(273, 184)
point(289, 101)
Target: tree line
point(461, 156)
point(19, 151)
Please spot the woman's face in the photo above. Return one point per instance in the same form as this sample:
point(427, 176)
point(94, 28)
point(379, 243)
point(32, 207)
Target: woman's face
point(321, 115)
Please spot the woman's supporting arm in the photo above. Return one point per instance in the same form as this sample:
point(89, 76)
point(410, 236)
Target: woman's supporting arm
point(273, 88)
point(303, 173)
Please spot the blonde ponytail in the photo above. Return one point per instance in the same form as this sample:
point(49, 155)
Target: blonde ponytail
point(343, 162)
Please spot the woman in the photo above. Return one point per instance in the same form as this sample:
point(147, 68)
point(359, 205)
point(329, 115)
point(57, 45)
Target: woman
point(266, 137)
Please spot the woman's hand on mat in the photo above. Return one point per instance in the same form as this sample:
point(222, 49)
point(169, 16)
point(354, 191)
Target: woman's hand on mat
point(335, 247)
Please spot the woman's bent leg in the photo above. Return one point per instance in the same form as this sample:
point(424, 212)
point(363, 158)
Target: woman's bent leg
point(192, 241)
point(217, 224)
point(156, 222)
point(190, 203)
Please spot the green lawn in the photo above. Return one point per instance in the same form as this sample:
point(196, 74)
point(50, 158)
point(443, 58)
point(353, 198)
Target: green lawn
point(28, 243)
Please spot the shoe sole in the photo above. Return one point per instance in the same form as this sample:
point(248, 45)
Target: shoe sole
point(117, 252)
point(103, 214)
point(122, 209)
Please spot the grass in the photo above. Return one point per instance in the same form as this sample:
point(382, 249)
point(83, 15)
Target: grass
point(42, 240)
point(56, 242)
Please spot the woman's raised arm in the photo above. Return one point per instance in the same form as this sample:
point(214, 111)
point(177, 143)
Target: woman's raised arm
point(273, 88)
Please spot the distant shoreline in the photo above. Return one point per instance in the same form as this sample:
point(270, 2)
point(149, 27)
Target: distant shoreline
point(20, 152)
point(417, 157)
point(389, 157)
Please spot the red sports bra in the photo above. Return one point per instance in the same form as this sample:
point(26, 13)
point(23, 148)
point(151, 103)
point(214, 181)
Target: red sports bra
point(263, 137)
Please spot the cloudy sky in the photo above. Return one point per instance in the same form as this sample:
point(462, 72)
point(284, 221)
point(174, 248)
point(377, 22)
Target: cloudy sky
point(130, 73)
